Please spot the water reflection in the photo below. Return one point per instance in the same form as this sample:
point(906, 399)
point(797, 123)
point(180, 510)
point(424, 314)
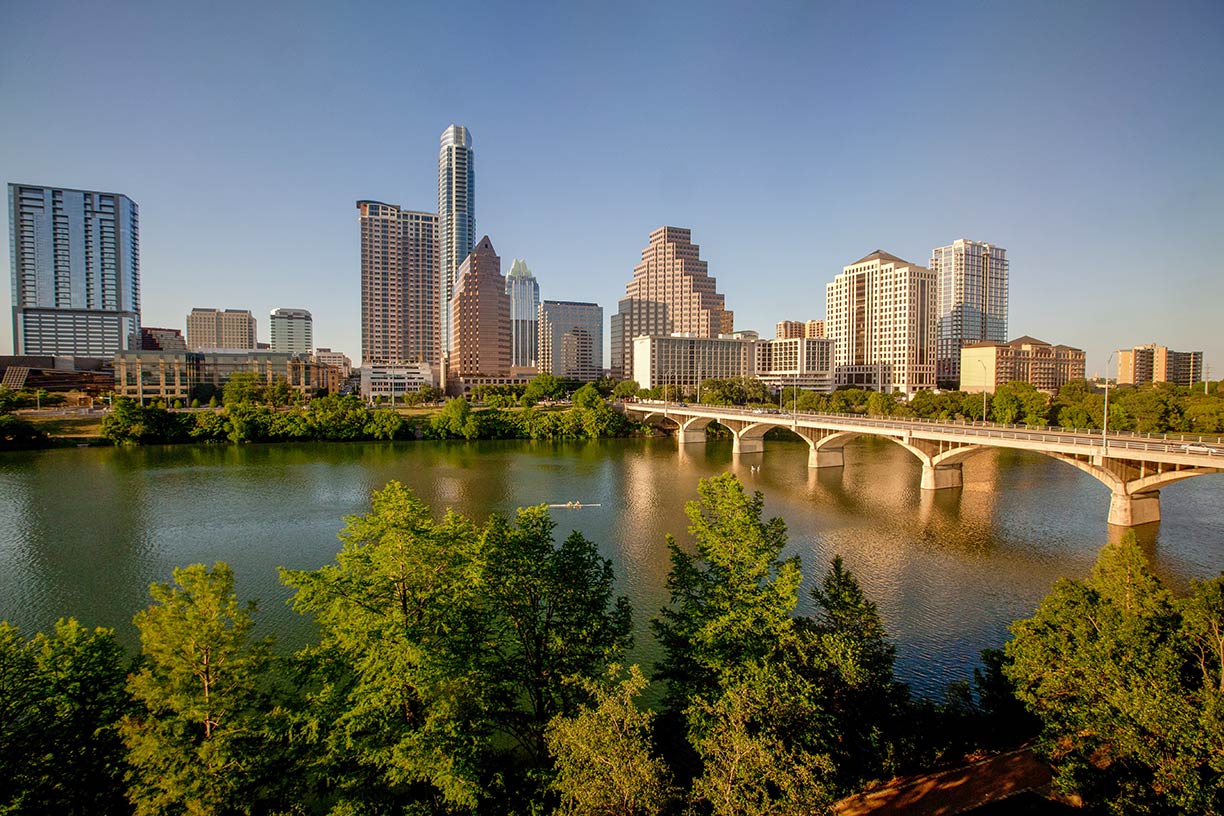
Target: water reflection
point(83, 532)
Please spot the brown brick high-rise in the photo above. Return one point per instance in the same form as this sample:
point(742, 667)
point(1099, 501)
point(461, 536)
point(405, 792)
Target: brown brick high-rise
point(480, 316)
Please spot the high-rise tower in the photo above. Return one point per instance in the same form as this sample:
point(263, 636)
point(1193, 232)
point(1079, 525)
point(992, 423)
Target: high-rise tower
point(399, 284)
point(480, 317)
point(671, 291)
point(972, 302)
point(524, 292)
point(75, 257)
point(880, 312)
point(456, 218)
point(292, 331)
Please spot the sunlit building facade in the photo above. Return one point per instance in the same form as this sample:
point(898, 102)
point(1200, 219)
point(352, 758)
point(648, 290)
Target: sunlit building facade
point(456, 218)
point(671, 292)
point(880, 311)
point(399, 284)
point(971, 282)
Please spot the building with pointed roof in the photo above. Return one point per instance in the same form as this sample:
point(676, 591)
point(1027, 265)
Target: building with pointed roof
point(880, 311)
point(480, 318)
point(985, 366)
point(671, 291)
point(524, 292)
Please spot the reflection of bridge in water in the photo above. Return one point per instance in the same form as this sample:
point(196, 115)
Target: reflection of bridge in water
point(1133, 467)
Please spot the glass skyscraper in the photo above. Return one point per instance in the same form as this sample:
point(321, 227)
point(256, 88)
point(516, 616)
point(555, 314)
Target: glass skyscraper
point(971, 281)
point(456, 218)
point(75, 261)
point(524, 292)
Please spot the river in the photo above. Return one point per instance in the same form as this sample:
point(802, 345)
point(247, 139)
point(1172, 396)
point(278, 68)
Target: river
point(83, 531)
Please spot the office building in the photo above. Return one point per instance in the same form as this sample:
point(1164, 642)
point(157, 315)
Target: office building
point(292, 331)
point(391, 381)
point(157, 339)
point(800, 362)
point(986, 366)
point(971, 283)
point(480, 319)
point(399, 284)
point(217, 329)
point(786, 329)
point(571, 340)
point(671, 292)
point(524, 294)
point(335, 359)
point(75, 265)
point(684, 360)
point(881, 312)
point(814, 328)
point(186, 375)
point(456, 218)
point(1158, 364)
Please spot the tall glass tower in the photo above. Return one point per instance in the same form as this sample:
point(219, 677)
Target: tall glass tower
point(524, 292)
point(971, 284)
point(456, 218)
point(75, 260)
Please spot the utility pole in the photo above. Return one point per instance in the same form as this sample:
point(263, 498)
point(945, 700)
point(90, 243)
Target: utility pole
point(1105, 419)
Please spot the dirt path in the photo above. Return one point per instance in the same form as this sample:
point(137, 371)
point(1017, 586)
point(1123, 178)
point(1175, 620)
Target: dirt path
point(955, 790)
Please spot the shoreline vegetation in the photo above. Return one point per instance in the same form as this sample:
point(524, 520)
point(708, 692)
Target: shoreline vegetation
point(476, 666)
point(549, 408)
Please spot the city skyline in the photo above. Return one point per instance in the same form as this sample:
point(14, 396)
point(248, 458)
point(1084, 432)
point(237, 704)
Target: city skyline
point(1093, 193)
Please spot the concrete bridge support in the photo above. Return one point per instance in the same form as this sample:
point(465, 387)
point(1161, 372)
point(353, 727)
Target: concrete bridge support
point(940, 477)
point(1131, 510)
point(691, 436)
point(742, 443)
point(825, 457)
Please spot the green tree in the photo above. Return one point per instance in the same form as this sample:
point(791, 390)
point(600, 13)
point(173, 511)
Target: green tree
point(602, 752)
point(1124, 681)
point(558, 619)
point(732, 600)
point(384, 425)
point(1016, 402)
point(244, 386)
point(196, 744)
point(588, 397)
point(400, 709)
point(625, 389)
point(846, 653)
point(750, 766)
point(452, 420)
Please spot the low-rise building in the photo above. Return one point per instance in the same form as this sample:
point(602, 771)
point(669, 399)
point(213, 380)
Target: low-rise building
point(186, 375)
point(683, 360)
point(802, 362)
point(393, 380)
point(154, 339)
point(1158, 364)
point(986, 366)
point(340, 360)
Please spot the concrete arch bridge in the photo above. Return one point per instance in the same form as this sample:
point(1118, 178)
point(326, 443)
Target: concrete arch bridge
point(1133, 467)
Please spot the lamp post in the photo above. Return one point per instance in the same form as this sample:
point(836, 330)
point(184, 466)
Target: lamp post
point(983, 365)
point(1105, 418)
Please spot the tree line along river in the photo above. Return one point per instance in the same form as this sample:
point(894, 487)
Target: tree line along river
point(84, 531)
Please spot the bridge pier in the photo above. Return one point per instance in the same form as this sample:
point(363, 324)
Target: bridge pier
point(742, 444)
point(1131, 510)
point(691, 436)
point(940, 477)
point(825, 458)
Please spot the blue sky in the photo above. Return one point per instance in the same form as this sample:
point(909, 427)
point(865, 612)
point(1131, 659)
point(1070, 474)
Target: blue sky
point(792, 138)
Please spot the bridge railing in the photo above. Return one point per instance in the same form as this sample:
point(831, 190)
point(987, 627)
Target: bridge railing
point(1090, 438)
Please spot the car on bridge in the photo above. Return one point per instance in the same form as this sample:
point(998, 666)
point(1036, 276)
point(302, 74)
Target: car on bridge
point(1197, 447)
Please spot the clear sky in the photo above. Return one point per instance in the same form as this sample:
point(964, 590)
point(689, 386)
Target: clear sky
point(792, 138)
